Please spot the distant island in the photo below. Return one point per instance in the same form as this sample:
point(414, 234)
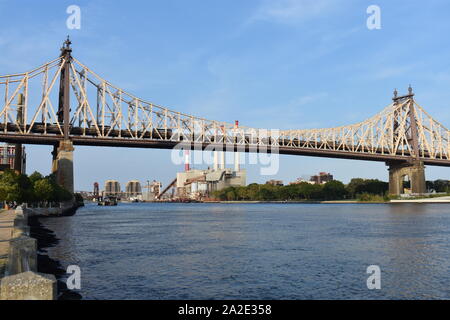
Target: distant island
point(365, 190)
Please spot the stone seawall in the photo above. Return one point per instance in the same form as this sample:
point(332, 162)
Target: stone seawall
point(65, 209)
point(19, 279)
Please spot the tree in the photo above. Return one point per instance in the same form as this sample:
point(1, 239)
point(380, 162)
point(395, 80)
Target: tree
point(9, 187)
point(35, 176)
point(441, 185)
point(334, 190)
point(230, 195)
point(354, 187)
point(44, 190)
point(15, 187)
point(358, 186)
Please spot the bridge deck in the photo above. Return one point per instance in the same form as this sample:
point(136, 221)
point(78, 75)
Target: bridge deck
point(48, 139)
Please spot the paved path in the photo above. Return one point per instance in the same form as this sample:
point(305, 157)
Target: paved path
point(444, 199)
point(6, 225)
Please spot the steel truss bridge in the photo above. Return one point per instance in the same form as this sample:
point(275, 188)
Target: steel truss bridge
point(65, 100)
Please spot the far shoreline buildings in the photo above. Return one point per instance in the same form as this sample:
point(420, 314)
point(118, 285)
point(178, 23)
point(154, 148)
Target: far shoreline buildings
point(8, 159)
point(192, 184)
point(321, 178)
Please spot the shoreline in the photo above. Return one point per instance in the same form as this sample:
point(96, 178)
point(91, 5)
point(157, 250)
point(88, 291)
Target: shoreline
point(46, 238)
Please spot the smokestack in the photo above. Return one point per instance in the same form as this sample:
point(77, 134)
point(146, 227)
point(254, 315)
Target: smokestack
point(216, 161)
point(222, 159)
point(186, 160)
point(236, 153)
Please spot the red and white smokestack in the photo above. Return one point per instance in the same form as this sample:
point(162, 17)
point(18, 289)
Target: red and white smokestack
point(186, 161)
point(236, 153)
point(222, 153)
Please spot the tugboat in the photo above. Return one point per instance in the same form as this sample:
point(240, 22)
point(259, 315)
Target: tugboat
point(107, 201)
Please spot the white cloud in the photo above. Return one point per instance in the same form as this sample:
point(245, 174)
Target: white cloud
point(290, 11)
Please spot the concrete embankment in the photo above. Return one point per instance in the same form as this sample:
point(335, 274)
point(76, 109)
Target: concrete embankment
point(19, 278)
point(445, 199)
point(19, 258)
point(65, 209)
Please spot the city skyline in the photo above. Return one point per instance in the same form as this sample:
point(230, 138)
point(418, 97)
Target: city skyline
point(245, 64)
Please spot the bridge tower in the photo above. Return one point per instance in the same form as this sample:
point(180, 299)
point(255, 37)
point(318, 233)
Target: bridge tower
point(414, 169)
point(63, 152)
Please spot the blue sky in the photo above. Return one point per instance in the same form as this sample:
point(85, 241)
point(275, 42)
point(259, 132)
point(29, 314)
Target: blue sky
point(269, 64)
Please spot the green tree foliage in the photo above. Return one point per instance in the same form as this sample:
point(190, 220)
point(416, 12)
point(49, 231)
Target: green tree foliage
point(333, 190)
point(358, 186)
point(439, 185)
point(44, 190)
point(15, 187)
point(20, 188)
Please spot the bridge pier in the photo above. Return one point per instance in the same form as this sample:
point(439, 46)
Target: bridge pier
point(62, 164)
point(18, 146)
point(414, 170)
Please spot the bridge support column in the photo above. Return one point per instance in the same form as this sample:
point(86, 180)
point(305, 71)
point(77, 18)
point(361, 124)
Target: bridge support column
point(416, 173)
point(63, 164)
point(18, 155)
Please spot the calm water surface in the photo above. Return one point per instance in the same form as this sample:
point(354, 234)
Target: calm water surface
point(257, 251)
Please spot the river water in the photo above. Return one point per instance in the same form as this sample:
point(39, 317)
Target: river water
point(256, 251)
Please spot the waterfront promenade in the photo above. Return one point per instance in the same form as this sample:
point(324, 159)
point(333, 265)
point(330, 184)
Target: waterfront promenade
point(6, 226)
point(19, 277)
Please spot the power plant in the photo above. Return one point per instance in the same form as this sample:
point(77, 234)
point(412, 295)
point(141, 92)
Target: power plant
point(200, 184)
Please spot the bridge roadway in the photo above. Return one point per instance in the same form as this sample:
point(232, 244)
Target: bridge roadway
point(160, 139)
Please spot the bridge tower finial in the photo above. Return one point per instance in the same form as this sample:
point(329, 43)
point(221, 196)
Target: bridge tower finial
point(66, 49)
point(395, 94)
point(410, 90)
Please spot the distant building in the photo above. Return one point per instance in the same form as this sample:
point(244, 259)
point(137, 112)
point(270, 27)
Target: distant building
point(201, 183)
point(197, 184)
point(321, 178)
point(112, 188)
point(153, 190)
point(300, 180)
point(275, 182)
point(133, 189)
point(96, 192)
point(7, 156)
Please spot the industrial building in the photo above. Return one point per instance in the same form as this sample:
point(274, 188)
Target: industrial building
point(8, 159)
point(112, 188)
point(153, 191)
point(133, 190)
point(199, 184)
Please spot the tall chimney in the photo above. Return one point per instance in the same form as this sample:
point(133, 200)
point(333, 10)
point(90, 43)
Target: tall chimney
point(222, 159)
point(236, 153)
point(186, 160)
point(216, 160)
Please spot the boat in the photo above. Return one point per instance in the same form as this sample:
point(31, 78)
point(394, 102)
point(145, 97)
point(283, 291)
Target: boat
point(107, 201)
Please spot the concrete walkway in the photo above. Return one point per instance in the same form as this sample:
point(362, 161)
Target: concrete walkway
point(6, 225)
point(445, 199)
